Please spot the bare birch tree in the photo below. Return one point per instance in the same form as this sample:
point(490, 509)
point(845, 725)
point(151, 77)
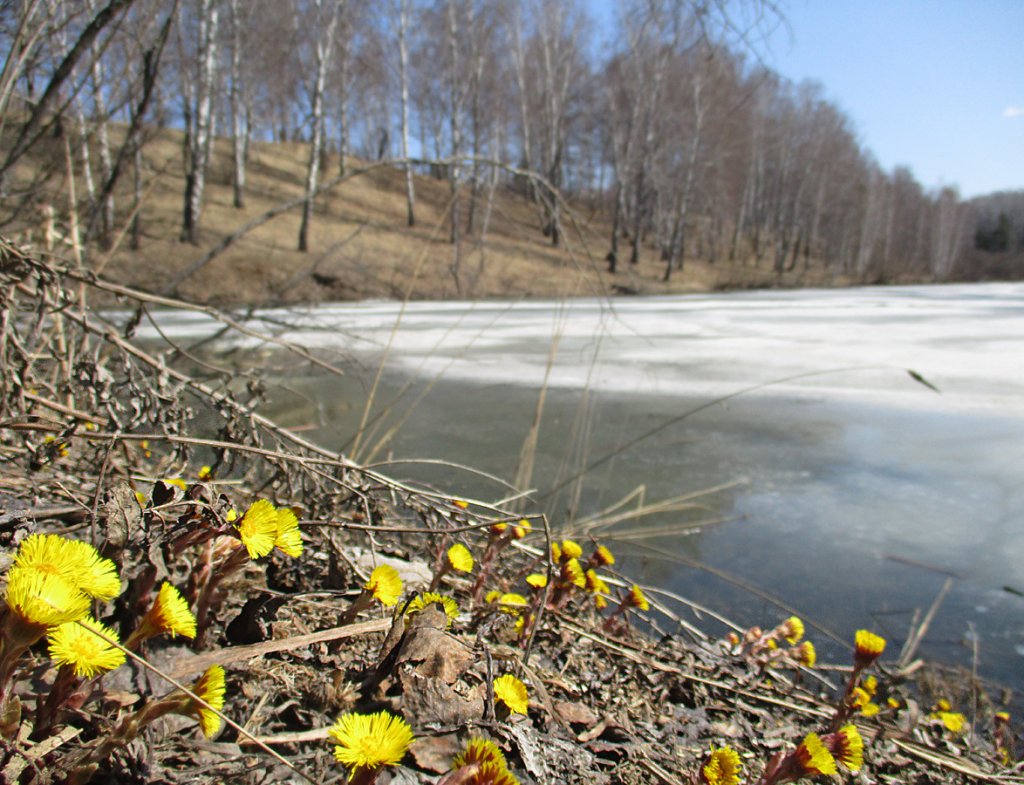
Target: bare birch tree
point(324, 20)
point(199, 85)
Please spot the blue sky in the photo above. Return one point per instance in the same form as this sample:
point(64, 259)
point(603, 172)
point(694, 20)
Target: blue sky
point(936, 85)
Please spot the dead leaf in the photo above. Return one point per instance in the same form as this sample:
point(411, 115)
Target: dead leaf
point(435, 753)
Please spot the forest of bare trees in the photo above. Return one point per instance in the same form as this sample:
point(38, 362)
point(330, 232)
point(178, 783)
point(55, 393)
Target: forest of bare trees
point(668, 120)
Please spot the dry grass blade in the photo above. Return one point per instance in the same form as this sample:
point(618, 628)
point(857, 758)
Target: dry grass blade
point(918, 632)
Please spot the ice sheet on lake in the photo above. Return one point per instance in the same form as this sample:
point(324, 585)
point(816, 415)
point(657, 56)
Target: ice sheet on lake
point(856, 344)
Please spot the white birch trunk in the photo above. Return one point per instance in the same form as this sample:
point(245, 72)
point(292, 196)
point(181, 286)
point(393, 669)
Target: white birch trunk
point(324, 46)
point(403, 59)
point(201, 128)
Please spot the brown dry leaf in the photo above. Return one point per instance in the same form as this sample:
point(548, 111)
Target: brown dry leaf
point(435, 753)
point(439, 656)
point(430, 700)
point(573, 713)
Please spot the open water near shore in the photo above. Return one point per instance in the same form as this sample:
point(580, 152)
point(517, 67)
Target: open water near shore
point(849, 492)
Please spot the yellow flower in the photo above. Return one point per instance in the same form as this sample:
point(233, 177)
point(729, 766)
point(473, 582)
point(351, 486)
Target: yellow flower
point(205, 473)
point(870, 709)
point(537, 581)
point(848, 747)
point(596, 586)
point(893, 702)
point(385, 584)
point(177, 482)
point(571, 549)
point(943, 705)
point(953, 720)
point(72, 560)
point(493, 774)
point(460, 558)
point(512, 692)
point(209, 687)
point(814, 757)
point(258, 528)
point(76, 644)
point(512, 603)
point(287, 536)
point(421, 601)
point(870, 685)
point(517, 533)
point(792, 629)
point(99, 576)
point(859, 697)
point(521, 622)
point(637, 599)
point(460, 503)
point(868, 647)
point(723, 767)
point(492, 596)
point(603, 556)
point(572, 573)
point(556, 553)
point(43, 599)
point(479, 750)
point(170, 613)
point(370, 741)
point(806, 655)
point(61, 446)
point(231, 515)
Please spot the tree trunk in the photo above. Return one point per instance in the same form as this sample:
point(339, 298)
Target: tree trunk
point(324, 45)
point(403, 59)
point(343, 129)
point(455, 128)
point(239, 129)
point(136, 240)
point(199, 122)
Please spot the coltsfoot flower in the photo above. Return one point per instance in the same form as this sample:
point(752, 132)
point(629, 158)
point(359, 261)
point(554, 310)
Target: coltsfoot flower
point(385, 585)
point(479, 750)
point(170, 613)
point(460, 559)
point(421, 601)
point(258, 528)
point(73, 560)
point(370, 741)
point(847, 747)
point(571, 549)
point(43, 599)
point(512, 692)
point(211, 688)
point(806, 654)
point(792, 629)
point(814, 757)
point(868, 647)
point(572, 573)
point(637, 599)
point(76, 644)
point(722, 767)
point(287, 536)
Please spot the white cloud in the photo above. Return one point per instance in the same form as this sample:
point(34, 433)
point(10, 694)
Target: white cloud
point(1013, 111)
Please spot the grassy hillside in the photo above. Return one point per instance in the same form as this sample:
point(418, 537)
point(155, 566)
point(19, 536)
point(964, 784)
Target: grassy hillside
point(360, 245)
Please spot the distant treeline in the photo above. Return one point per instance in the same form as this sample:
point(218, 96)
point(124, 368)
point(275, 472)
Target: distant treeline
point(667, 120)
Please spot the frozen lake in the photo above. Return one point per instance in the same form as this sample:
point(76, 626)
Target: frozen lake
point(857, 489)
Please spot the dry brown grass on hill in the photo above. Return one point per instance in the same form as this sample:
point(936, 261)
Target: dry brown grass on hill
point(360, 245)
